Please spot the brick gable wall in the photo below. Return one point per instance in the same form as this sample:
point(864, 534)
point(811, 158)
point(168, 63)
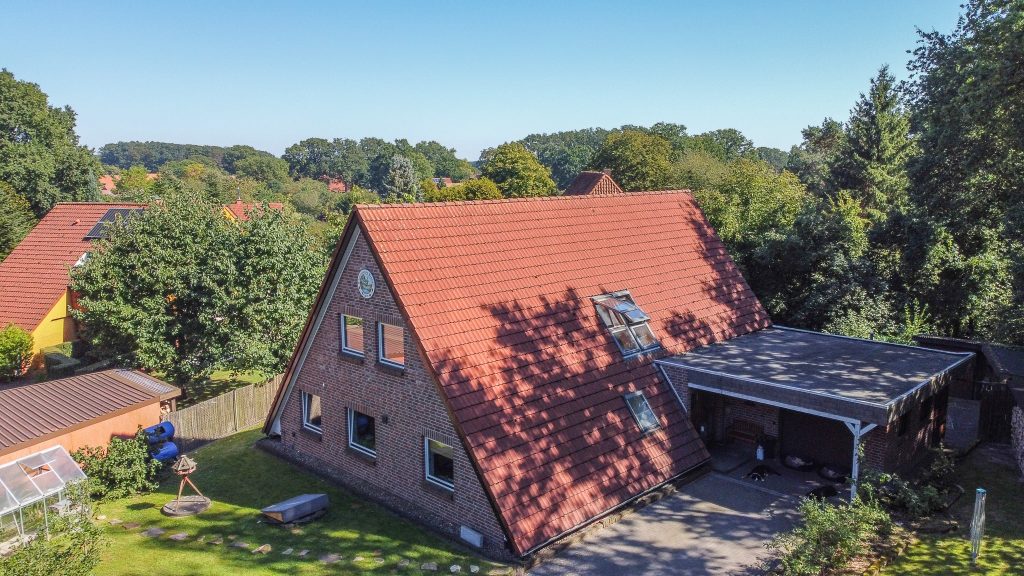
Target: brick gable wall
point(407, 408)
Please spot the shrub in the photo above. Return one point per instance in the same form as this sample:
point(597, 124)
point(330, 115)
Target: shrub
point(15, 351)
point(121, 469)
point(829, 536)
point(73, 548)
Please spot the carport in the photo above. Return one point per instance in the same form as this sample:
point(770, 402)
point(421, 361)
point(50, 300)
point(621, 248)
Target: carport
point(864, 384)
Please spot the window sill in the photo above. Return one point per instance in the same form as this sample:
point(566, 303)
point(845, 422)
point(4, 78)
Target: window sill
point(393, 368)
point(312, 434)
point(352, 357)
point(439, 491)
point(362, 456)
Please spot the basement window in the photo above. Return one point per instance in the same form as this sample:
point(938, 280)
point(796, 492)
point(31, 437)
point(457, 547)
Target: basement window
point(439, 463)
point(352, 335)
point(626, 322)
point(391, 345)
point(362, 433)
point(311, 413)
point(642, 412)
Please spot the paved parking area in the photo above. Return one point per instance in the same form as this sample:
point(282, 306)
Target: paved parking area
point(714, 525)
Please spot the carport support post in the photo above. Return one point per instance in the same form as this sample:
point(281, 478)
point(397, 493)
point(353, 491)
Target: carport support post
point(858, 431)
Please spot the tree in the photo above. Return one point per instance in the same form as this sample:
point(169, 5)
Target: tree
point(277, 271)
point(727, 144)
point(135, 184)
point(16, 219)
point(566, 154)
point(813, 159)
point(15, 351)
point(446, 163)
point(480, 189)
point(267, 169)
point(310, 158)
point(518, 173)
point(775, 158)
point(400, 184)
point(176, 289)
point(878, 146)
point(40, 157)
point(638, 161)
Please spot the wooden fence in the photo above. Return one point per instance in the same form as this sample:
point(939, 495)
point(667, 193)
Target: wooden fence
point(231, 412)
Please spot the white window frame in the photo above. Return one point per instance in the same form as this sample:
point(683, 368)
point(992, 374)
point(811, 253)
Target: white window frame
point(343, 327)
point(439, 482)
point(352, 434)
point(306, 399)
point(380, 345)
point(636, 417)
point(626, 326)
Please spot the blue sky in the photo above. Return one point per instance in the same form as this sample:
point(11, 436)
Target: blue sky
point(468, 74)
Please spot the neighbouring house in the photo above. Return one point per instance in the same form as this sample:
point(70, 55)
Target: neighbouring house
point(335, 184)
point(445, 182)
point(34, 277)
point(592, 182)
point(508, 371)
point(239, 211)
point(79, 411)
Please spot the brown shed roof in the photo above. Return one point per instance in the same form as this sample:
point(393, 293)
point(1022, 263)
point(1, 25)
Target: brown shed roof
point(588, 182)
point(31, 413)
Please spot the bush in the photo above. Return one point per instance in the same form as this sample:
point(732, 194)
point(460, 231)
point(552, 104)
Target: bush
point(73, 548)
point(122, 469)
point(15, 351)
point(829, 536)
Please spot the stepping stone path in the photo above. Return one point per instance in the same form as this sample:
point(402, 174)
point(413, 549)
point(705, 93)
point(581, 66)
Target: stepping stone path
point(474, 569)
point(331, 558)
point(116, 522)
point(130, 525)
point(239, 544)
point(101, 517)
point(180, 536)
point(303, 552)
point(358, 559)
point(429, 566)
point(378, 560)
point(455, 569)
point(263, 549)
point(288, 552)
point(403, 563)
point(216, 541)
point(153, 532)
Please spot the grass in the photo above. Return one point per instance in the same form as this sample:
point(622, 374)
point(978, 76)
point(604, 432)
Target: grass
point(241, 479)
point(1002, 549)
point(218, 383)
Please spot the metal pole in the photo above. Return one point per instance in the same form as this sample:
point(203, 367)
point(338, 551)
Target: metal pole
point(977, 524)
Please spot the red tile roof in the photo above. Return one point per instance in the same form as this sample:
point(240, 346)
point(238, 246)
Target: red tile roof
point(35, 274)
point(593, 183)
point(498, 295)
point(240, 210)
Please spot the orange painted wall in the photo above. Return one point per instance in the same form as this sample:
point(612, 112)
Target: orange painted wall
point(97, 434)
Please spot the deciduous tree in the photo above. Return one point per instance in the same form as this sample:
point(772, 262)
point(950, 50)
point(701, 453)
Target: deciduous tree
point(518, 173)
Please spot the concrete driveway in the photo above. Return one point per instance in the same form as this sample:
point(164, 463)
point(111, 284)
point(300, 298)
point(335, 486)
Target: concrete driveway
point(714, 525)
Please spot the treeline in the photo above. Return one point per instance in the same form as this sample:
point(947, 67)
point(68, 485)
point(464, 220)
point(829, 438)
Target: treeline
point(153, 155)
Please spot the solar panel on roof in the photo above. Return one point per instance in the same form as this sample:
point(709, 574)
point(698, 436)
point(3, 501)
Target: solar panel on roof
point(100, 229)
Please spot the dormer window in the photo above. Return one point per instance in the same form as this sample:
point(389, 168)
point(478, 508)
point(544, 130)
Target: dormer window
point(626, 322)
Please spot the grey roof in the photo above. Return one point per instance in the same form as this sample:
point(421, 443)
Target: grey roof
point(847, 377)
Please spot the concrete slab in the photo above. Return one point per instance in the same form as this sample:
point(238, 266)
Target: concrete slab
point(714, 525)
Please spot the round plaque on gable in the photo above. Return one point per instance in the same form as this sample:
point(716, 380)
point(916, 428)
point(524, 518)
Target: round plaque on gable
point(366, 283)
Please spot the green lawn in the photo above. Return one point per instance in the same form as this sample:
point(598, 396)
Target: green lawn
point(240, 479)
point(1002, 550)
point(218, 383)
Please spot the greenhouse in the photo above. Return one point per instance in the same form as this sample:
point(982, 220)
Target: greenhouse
point(32, 488)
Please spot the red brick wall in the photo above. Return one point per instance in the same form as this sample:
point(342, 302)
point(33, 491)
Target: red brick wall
point(886, 449)
point(408, 399)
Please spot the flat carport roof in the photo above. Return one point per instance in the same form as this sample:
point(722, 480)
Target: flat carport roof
point(843, 378)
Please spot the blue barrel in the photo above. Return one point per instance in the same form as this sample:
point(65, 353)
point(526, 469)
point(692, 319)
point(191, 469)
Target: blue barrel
point(161, 432)
point(164, 452)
